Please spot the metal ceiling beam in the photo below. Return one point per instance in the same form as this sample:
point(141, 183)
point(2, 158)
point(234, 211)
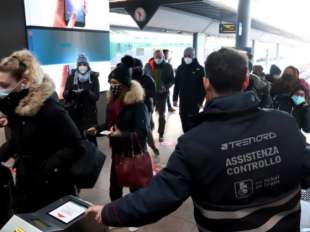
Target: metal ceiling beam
point(135, 3)
point(208, 9)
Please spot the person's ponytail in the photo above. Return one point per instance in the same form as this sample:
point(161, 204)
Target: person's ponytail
point(22, 64)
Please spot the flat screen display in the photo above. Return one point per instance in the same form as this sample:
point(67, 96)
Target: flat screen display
point(58, 50)
point(68, 212)
point(53, 46)
point(81, 14)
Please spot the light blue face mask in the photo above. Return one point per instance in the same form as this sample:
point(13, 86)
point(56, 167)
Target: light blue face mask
point(159, 61)
point(6, 92)
point(298, 100)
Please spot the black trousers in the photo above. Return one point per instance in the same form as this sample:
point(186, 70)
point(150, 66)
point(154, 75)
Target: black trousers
point(187, 118)
point(186, 122)
point(116, 190)
point(169, 101)
point(150, 138)
point(160, 104)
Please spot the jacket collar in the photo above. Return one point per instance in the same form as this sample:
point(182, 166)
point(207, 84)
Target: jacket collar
point(229, 106)
point(135, 94)
point(239, 102)
point(38, 94)
point(195, 62)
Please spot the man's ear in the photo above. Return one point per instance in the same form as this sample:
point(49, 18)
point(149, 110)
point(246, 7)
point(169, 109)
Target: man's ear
point(246, 82)
point(206, 84)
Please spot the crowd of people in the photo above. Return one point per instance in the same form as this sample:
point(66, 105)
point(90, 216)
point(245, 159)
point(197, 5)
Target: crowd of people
point(286, 92)
point(242, 158)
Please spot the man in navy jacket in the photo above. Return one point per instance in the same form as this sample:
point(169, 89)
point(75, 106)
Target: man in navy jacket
point(243, 166)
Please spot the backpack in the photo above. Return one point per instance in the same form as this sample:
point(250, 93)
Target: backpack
point(261, 87)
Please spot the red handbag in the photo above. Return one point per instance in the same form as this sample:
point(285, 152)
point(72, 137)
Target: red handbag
point(135, 170)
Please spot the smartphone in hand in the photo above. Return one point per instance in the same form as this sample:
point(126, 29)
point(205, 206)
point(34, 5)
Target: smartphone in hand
point(105, 133)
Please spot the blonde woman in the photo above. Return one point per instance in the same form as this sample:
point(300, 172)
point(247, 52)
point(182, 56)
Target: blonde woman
point(43, 137)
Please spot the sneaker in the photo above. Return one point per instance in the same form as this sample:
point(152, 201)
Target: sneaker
point(161, 139)
point(132, 229)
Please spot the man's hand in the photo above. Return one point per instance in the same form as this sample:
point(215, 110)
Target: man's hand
point(96, 211)
point(3, 121)
point(92, 131)
point(115, 132)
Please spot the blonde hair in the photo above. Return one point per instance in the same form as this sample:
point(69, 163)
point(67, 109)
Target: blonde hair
point(22, 64)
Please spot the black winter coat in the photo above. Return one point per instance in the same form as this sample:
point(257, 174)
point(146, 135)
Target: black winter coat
point(245, 176)
point(133, 120)
point(189, 87)
point(301, 113)
point(45, 142)
point(82, 106)
point(302, 116)
point(148, 85)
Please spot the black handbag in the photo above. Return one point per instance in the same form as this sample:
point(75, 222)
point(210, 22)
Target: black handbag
point(6, 197)
point(86, 170)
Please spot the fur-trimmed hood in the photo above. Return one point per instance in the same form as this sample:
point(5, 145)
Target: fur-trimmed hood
point(38, 94)
point(135, 94)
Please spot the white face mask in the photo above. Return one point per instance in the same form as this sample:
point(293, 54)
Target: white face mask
point(188, 60)
point(83, 69)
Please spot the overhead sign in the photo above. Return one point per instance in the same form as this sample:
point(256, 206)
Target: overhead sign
point(228, 28)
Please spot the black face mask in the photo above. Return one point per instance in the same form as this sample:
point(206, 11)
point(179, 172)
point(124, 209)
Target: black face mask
point(116, 90)
point(9, 103)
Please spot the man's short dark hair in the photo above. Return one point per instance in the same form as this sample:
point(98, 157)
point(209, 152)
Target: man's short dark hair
point(226, 70)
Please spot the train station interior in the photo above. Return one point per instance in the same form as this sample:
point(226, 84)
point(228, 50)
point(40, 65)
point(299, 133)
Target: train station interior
point(113, 38)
